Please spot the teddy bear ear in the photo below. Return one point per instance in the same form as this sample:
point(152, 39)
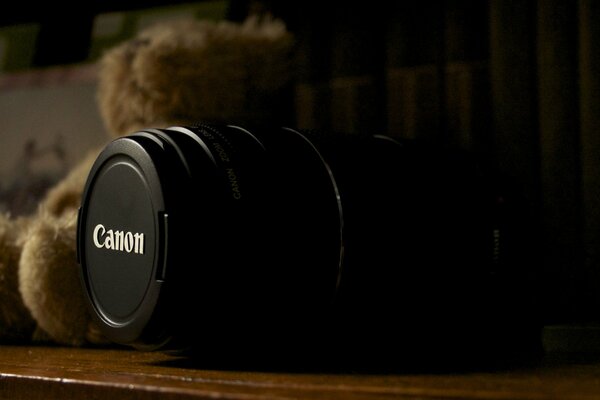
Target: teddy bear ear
point(185, 72)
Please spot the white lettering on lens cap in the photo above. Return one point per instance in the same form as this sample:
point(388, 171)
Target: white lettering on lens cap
point(118, 240)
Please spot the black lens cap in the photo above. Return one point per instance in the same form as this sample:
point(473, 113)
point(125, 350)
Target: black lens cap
point(121, 228)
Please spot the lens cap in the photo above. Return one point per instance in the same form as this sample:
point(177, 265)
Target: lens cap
point(121, 227)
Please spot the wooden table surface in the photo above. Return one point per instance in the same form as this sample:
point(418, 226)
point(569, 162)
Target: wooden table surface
point(68, 373)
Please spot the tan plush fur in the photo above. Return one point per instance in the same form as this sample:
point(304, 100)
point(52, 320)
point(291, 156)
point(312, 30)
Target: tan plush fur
point(49, 278)
point(66, 195)
point(16, 322)
point(176, 73)
point(191, 70)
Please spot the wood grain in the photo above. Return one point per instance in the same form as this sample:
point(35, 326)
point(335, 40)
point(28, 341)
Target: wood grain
point(59, 373)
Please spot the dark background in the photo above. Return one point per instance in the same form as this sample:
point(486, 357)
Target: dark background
point(516, 82)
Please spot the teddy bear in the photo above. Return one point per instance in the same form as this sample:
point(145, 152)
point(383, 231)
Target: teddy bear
point(173, 73)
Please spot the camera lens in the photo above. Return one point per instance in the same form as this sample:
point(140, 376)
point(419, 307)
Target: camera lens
point(210, 235)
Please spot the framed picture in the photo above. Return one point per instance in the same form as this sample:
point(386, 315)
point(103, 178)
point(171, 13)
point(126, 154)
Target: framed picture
point(49, 120)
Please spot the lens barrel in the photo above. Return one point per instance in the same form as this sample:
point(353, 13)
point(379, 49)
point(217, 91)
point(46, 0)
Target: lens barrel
point(218, 237)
